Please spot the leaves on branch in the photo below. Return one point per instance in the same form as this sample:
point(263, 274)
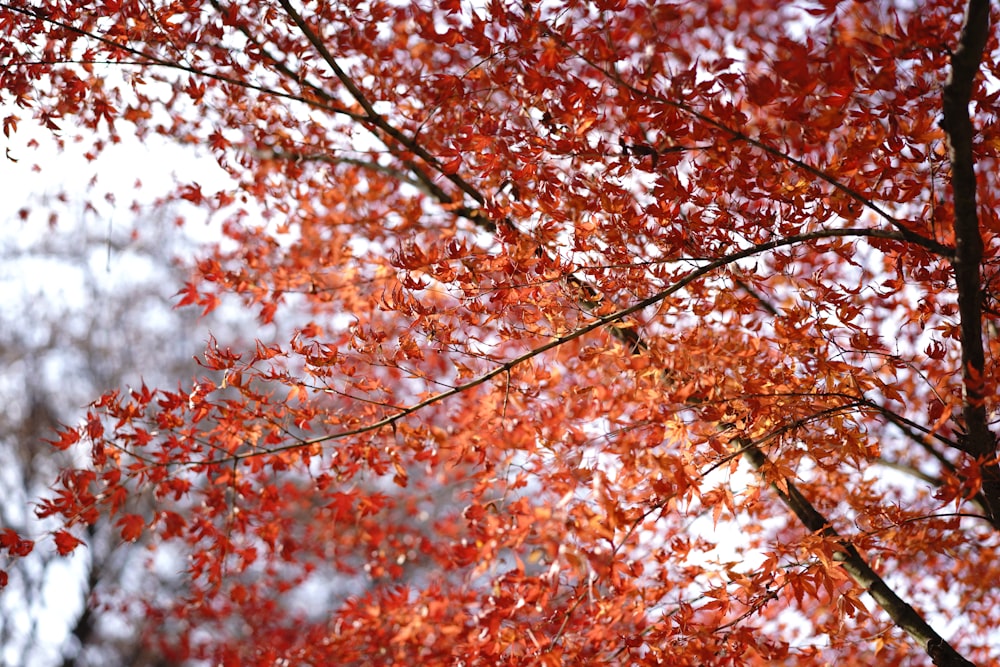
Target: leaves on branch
point(531, 279)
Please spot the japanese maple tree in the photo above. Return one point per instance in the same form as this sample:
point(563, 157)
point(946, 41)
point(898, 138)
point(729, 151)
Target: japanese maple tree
point(652, 333)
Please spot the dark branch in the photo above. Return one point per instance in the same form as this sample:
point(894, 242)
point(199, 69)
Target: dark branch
point(377, 120)
point(978, 440)
point(902, 614)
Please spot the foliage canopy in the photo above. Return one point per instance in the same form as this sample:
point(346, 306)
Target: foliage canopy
point(621, 332)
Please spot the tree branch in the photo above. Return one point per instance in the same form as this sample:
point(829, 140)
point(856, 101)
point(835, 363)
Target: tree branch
point(379, 121)
point(739, 135)
point(901, 613)
point(396, 174)
point(150, 60)
point(978, 440)
point(598, 323)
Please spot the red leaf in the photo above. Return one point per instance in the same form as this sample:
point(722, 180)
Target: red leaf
point(14, 543)
point(174, 524)
point(192, 193)
point(190, 293)
point(67, 438)
point(8, 538)
point(65, 542)
point(132, 526)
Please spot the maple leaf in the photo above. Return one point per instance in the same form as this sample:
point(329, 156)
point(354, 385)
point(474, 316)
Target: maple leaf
point(10, 124)
point(65, 542)
point(14, 543)
point(131, 526)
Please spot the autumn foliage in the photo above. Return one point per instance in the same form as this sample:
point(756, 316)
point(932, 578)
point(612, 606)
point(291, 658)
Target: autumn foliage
point(619, 332)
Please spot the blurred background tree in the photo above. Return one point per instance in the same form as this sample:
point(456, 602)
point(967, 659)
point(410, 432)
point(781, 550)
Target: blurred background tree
point(84, 309)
